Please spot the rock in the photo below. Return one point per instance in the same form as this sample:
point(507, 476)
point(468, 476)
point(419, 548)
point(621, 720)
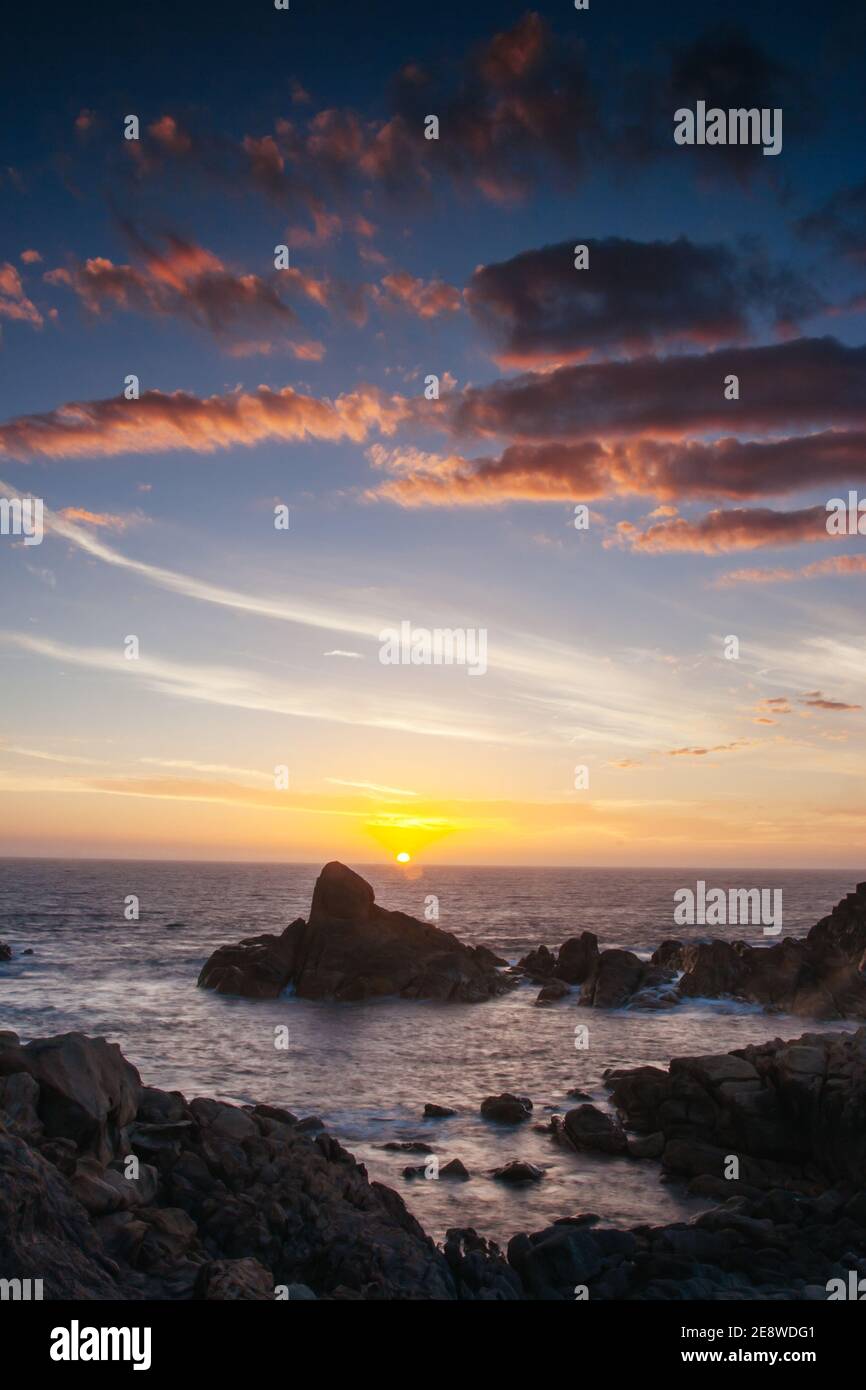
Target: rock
point(538, 964)
point(5, 951)
point(648, 1146)
point(668, 955)
point(553, 990)
point(437, 1112)
point(577, 958)
point(479, 1268)
point(455, 1169)
point(258, 967)
point(233, 1281)
point(614, 978)
point(591, 1129)
point(408, 1146)
point(87, 1090)
point(577, 1094)
point(19, 1101)
point(552, 1262)
point(506, 1109)
point(353, 949)
point(46, 1234)
point(518, 1171)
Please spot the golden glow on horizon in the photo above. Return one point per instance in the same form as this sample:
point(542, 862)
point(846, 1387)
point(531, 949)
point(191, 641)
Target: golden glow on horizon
point(403, 857)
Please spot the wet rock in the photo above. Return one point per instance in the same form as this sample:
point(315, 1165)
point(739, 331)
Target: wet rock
point(578, 957)
point(437, 1112)
point(5, 951)
point(668, 954)
point(408, 1146)
point(538, 964)
point(647, 1146)
point(614, 978)
point(589, 1128)
point(552, 991)
point(455, 1169)
point(506, 1108)
point(577, 1094)
point(518, 1171)
point(479, 1268)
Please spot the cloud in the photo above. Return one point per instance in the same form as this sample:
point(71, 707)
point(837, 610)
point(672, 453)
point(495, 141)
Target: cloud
point(834, 566)
point(14, 304)
point(634, 296)
point(425, 298)
point(816, 700)
point(721, 531)
point(158, 422)
point(716, 748)
point(728, 468)
point(183, 280)
point(810, 381)
point(104, 520)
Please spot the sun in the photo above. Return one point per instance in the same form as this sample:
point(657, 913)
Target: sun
point(403, 857)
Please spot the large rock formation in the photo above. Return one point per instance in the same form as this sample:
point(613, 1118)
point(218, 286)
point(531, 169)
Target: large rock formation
point(350, 948)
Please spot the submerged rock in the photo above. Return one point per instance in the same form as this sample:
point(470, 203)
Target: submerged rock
point(353, 949)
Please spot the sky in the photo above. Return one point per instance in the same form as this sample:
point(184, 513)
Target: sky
point(285, 373)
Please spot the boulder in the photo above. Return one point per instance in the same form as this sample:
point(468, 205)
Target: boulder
point(455, 1169)
point(518, 1171)
point(577, 958)
point(5, 951)
point(353, 949)
point(437, 1112)
point(538, 964)
point(506, 1109)
point(552, 991)
point(589, 1128)
point(88, 1091)
point(614, 978)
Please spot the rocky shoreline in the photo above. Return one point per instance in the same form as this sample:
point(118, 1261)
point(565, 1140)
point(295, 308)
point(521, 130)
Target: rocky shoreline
point(110, 1189)
point(350, 948)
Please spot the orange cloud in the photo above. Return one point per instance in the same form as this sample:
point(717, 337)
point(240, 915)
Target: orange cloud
point(159, 422)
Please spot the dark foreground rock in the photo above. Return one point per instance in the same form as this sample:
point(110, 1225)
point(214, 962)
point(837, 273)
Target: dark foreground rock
point(350, 948)
point(113, 1190)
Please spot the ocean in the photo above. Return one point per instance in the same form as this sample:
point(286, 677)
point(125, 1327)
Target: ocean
point(367, 1069)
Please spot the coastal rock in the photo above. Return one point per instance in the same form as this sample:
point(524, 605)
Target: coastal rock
point(538, 964)
point(614, 978)
point(589, 1128)
point(577, 958)
point(234, 1281)
point(552, 991)
point(506, 1109)
point(437, 1112)
point(87, 1090)
point(518, 1171)
point(455, 1169)
point(353, 949)
point(5, 951)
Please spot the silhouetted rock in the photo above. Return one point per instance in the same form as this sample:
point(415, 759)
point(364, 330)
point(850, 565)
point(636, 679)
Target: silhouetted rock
point(455, 1169)
point(553, 990)
point(353, 949)
point(5, 951)
point(589, 1128)
point(518, 1171)
point(614, 977)
point(437, 1112)
point(577, 958)
point(538, 964)
point(506, 1109)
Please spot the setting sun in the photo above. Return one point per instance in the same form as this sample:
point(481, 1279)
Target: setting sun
point(403, 857)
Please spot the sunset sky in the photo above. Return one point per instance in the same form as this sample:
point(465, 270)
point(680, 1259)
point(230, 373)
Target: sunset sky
point(259, 647)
